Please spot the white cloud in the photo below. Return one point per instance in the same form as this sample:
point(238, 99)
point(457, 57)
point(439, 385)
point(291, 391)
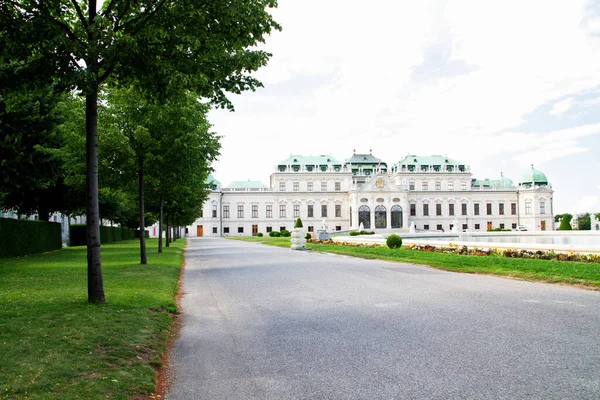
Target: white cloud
point(561, 107)
point(587, 204)
point(342, 76)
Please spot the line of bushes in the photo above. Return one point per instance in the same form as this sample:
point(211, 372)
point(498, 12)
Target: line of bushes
point(20, 237)
point(356, 233)
point(108, 234)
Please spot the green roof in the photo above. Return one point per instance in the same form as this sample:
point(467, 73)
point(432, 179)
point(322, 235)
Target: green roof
point(215, 184)
point(533, 177)
point(246, 185)
point(502, 182)
point(310, 160)
point(364, 159)
point(429, 160)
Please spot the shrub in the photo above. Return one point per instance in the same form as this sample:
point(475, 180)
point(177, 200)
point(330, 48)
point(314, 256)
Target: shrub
point(259, 234)
point(19, 237)
point(298, 223)
point(108, 234)
point(274, 234)
point(285, 233)
point(565, 223)
point(353, 233)
point(308, 236)
point(394, 241)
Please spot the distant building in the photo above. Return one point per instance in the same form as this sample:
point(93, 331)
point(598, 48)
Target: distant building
point(433, 193)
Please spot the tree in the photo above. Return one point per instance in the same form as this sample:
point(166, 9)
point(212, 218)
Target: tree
point(32, 179)
point(584, 222)
point(565, 222)
point(200, 45)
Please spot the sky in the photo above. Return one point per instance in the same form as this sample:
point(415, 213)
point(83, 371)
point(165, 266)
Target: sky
point(497, 85)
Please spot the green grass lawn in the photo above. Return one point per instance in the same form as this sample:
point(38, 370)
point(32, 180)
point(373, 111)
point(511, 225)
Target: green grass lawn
point(576, 273)
point(54, 345)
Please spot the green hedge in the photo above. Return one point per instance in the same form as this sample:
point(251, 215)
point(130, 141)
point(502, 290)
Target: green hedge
point(20, 237)
point(108, 234)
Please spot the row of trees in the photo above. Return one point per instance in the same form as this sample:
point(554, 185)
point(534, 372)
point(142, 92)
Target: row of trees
point(584, 222)
point(138, 66)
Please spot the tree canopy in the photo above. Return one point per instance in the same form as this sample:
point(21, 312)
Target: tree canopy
point(206, 47)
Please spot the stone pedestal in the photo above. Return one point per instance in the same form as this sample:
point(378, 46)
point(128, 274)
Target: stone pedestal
point(323, 235)
point(298, 239)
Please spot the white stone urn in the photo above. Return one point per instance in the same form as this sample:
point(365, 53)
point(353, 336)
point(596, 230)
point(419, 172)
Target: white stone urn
point(298, 239)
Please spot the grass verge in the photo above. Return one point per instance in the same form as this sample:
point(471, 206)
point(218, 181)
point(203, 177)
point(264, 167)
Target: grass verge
point(54, 345)
point(574, 273)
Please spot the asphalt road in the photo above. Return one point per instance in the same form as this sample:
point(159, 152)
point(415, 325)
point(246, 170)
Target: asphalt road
point(262, 322)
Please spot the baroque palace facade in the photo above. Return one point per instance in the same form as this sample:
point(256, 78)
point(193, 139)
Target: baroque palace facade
point(420, 193)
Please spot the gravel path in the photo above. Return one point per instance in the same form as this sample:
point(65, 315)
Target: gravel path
point(262, 322)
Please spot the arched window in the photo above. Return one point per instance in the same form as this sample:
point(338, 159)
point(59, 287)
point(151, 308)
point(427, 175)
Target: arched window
point(396, 217)
point(380, 217)
point(364, 217)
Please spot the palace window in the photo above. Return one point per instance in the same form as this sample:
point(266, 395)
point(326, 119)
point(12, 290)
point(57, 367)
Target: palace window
point(411, 186)
point(214, 211)
point(311, 228)
point(425, 210)
point(269, 229)
point(501, 208)
point(513, 209)
point(214, 230)
point(476, 209)
point(255, 211)
point(225, 211)
point(451, 185)
point(201, 213)
point(323, 186)
point(528, 208)
point(413, 210)
point(323, 210)
point(240, 211)
point(226, 229)
point(282, 211)
point(309, 186)
point(514, 225)
point(281, 228)
point(338, 186)
point(425, 186)
point(501, 226)
point(438, 185)
point(310, 211)
point(296, 210)
point(476, 226)
point(542, 207)
point(439, 227)
point(451, 209)
point(240, 229)
point(338, 210)
point(488, 208)
point(425, 227)
point(282, 186)
point(463, 185)
point(438, 209)
point(269, 211)
point(463, 208)
point(296, 186)
point(465, 227)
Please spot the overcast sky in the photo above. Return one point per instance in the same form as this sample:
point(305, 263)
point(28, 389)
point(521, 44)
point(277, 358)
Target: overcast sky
point(497, 85)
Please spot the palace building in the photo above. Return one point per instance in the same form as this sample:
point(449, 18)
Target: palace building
point(420, 193)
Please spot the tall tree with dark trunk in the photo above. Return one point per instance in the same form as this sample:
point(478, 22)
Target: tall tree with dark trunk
point(201, 45)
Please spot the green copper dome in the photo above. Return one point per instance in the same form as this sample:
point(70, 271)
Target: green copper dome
point(533, 177)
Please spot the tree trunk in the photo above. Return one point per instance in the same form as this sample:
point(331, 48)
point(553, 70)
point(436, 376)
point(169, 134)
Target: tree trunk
point(168, 231)
point(160, 226)
point(94, 260)
point(143, 259)
point(175, 233)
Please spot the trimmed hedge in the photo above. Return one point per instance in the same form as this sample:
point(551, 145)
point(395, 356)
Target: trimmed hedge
point(20, 237)
point(108, 234)
point(394, 241)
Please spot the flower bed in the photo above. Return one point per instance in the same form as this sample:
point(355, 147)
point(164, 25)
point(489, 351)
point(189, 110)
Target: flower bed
point(475, 251)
